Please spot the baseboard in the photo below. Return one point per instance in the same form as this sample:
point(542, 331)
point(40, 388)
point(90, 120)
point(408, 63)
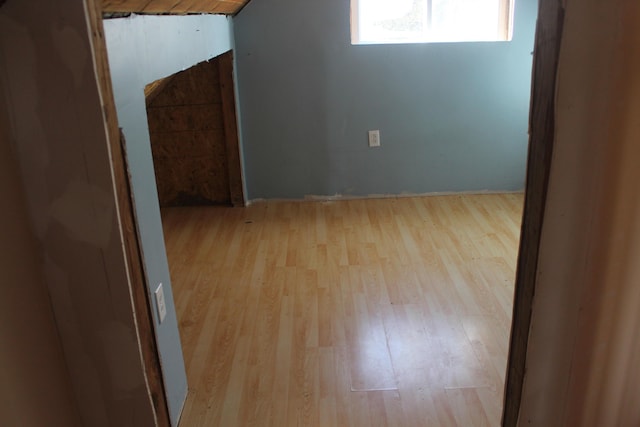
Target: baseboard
point(342, 197)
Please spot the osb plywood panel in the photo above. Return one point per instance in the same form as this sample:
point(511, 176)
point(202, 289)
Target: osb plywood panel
point(226, 7)
point(189, 90)
point(188, 144)
point(186, 117)
point(191, 181)
point(152, 89)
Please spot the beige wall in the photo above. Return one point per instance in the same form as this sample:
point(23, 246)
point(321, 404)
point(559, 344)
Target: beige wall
point(57, 126)
point(34, 384)
point(584, 347)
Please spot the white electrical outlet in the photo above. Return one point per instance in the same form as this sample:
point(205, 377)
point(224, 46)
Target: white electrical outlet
point(374, 138)
point(162, 307)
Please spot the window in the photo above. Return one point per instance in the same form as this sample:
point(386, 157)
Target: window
point(425, 21)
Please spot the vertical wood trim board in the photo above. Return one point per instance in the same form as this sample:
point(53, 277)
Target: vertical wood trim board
point(541, 141)
point(225, 67)
point(141, 298)
point(142, 312)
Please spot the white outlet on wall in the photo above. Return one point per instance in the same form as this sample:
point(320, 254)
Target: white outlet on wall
point(162, 307)
point(374, 138)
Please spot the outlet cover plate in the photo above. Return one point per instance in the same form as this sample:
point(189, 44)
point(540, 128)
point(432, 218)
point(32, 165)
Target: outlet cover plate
point(374, 138)
point(160, 303)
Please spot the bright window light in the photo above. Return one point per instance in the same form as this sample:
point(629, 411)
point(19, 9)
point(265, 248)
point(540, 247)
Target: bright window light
point(426, 21)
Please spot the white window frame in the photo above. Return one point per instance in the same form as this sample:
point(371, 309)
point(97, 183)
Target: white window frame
point(504, 31)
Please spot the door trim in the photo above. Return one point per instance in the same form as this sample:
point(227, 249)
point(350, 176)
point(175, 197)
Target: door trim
point(541, 141)
point(128, 224)
point(547, 45)
point(225, 68)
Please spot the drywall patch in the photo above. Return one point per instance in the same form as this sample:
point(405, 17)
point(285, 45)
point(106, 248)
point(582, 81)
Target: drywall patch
point(86, 212)
point(72, 50)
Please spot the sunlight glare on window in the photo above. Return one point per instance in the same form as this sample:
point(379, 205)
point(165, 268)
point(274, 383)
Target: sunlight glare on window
point(422, 21)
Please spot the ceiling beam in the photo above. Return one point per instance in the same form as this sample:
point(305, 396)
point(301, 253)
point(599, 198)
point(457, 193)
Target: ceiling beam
point(177, 7)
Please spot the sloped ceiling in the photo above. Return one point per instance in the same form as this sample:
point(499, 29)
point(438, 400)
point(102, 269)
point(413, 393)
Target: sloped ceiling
point(226, 7)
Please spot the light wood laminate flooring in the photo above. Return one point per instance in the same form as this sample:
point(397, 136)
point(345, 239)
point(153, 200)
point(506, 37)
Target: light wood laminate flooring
point(379, 312)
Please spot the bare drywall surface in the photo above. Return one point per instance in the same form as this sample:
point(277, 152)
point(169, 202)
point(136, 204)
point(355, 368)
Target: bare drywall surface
point(34, 381)
point(582, 361)
point(57, 126)
point(143, 49)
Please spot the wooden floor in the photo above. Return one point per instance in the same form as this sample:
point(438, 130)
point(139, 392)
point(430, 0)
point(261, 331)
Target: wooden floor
point(390, 312)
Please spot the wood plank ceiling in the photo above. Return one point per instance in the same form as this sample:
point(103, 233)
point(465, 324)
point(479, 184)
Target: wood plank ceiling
point(226, 7)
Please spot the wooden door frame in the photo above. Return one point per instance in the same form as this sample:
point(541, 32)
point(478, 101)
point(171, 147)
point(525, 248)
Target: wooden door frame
point(541, 142)
point(542, 135)
point(227, 92)
point(135, 264)
point(131, 242)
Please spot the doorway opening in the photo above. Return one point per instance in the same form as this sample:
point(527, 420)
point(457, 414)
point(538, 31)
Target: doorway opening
point(286, 297)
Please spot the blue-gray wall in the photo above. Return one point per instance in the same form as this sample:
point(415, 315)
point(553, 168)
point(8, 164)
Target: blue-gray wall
point(452, 116)
point(143, 49)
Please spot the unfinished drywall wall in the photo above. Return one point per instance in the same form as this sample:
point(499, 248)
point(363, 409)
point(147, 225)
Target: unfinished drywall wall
point(582, 359)
point(34, 381)
point(56, 123)
point(452, 116)
point(141, 50)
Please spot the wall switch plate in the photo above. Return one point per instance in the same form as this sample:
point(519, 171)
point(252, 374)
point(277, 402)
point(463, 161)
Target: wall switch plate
point(162, 307)
point(374, 138)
